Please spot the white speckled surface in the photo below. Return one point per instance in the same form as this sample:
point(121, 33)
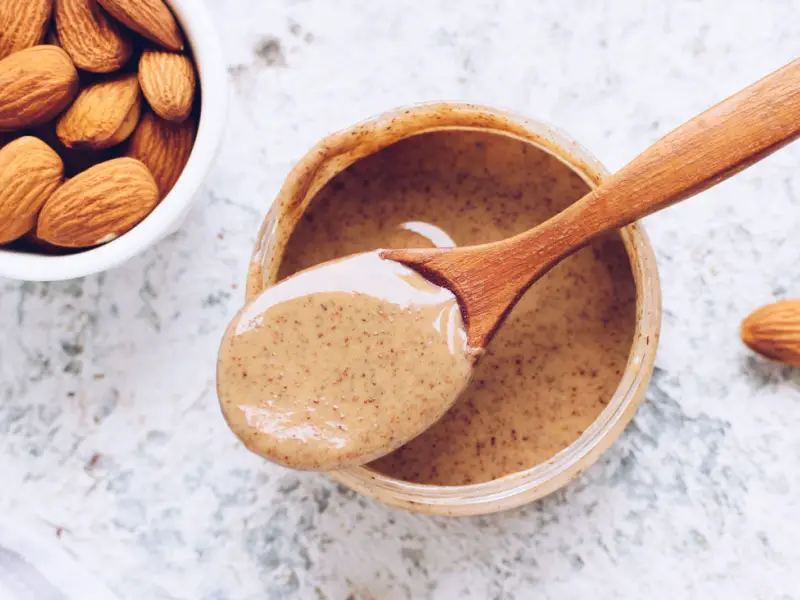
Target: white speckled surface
point(110, 433)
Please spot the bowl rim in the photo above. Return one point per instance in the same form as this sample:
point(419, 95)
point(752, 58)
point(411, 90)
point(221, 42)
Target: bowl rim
point(204, 41)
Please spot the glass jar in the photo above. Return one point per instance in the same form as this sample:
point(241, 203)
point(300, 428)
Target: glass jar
point(340, 150)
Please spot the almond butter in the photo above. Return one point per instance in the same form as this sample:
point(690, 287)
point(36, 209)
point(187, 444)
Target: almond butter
point(168, 83)
point(774, 331)
point(23, 23)
point(94, 41)
point(103, 115)
point(36, 84)
point(150, 18)
point(99, 204)
point(30, 171)
point(164, 147)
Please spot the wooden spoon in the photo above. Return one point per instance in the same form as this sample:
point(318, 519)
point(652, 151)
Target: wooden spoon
point(488, 279)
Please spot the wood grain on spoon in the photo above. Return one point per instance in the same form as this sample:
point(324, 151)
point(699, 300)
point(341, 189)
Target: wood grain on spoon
point(488, 279)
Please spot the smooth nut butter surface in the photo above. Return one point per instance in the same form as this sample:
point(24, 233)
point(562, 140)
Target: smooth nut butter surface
point(342, 363)
point(558, 358)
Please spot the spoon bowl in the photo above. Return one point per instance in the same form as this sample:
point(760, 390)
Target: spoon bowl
point(342, 363)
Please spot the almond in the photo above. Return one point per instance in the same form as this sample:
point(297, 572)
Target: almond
point(23, 23)
point(99, 204)
point(103, 115)
point(30, 171)
point(36, 84)
point(774, 331)
point(164, 147)
point(168, 82)
point(150, 18)
point(93, 40)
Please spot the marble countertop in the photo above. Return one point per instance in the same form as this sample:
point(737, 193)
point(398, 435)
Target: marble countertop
point(110, 434)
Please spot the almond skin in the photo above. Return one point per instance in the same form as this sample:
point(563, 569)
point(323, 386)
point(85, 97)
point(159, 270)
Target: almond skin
point(36, 84)
point(164, 147)
point(150, 18)
point(93, 40)
point(103, 115)
point(30, 171)
point(168, 83)
point(98, 205)
point(23, 23)
point(774, 331)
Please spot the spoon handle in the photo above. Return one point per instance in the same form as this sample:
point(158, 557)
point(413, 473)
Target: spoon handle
point(711, 147)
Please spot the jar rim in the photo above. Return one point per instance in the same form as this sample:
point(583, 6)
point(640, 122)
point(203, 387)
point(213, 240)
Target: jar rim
point(513, 489)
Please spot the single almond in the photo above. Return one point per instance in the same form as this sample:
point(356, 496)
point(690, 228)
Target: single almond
point(23, 23)
point(30, 171)
point(774, 331)
point(36, 84)
point(98, 205)
point(168, 82)
point(150, 18)
point(164, 147)
point(94, 41)
point(103, 115)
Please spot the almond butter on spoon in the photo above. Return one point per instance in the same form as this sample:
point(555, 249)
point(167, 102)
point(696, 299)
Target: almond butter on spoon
point(315, 389)
point(341, 364)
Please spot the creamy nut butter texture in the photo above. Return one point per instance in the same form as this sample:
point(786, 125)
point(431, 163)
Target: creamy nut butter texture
point(556, 361)
point(342, 363)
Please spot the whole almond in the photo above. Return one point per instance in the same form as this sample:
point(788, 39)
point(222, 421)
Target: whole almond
point(164, 147)
point(150, 18)
point(23, 23)
point(774, 331)
point(98, 205)
point(103, 115)
point(30, 171)
point(93, 40)
point(36, 84)
point(168, 82)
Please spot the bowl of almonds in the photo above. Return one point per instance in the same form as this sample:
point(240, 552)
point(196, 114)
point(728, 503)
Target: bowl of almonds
point(111, 112)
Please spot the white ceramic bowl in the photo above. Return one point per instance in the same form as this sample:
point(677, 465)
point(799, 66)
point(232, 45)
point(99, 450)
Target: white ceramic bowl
point(169, 214)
